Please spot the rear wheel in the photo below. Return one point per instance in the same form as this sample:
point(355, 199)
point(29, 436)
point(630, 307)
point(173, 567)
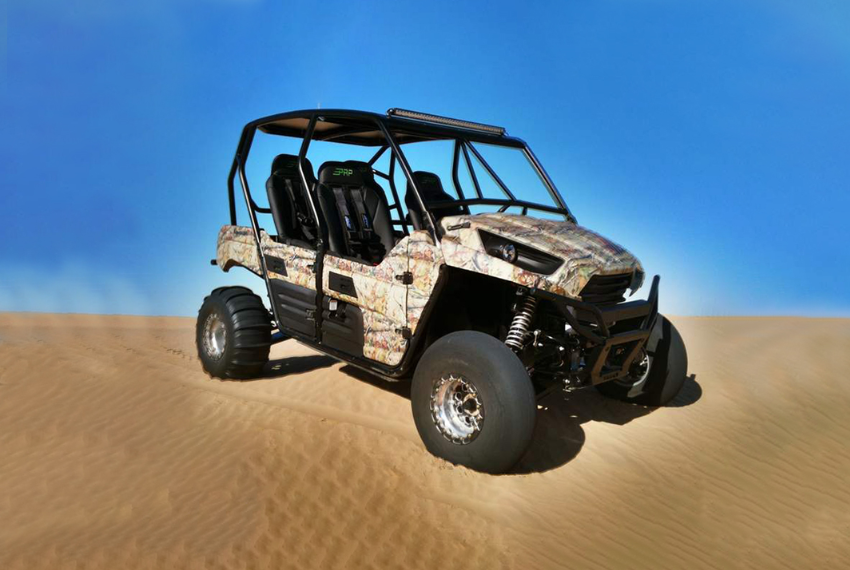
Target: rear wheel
point(473, 402)
point(659, 371)
point(233, 333)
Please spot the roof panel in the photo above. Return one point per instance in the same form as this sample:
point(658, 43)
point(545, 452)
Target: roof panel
point(361, 128)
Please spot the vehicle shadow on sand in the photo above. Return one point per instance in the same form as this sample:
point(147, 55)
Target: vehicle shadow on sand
point(296, 365)
point(558, 435)
point(282, 367)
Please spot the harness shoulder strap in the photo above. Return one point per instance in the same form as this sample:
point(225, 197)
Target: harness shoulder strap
point(373, 249)
point(363, 218)
point(305, 221)
point(349, 224)
point(291, 211)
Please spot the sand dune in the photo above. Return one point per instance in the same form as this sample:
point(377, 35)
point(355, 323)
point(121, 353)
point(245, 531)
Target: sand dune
point(118, 452)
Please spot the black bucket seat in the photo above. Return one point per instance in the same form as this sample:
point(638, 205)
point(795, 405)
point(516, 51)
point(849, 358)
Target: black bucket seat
point(376, 204)
point(357, 220)
point(288, 199)
point(431, 191)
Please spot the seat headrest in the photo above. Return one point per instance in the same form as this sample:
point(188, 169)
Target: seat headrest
point(287, 165)
point(363, 168)
point(333, 172)
point(430, 187)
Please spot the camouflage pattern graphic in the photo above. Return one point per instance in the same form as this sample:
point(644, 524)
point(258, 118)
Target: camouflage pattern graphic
point(300, 262)
point(424, 262)
point(236, 246)
point(381, 340)
point(376, 285)
point(381, 296)
point(585, 252)
point(388, 305)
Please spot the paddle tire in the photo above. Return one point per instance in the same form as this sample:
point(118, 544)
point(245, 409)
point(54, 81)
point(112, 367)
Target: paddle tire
point(473, 402)
point(659, 375)
point(233, 333)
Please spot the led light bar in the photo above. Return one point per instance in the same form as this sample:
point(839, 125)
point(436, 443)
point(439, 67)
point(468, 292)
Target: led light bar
point(427, 118)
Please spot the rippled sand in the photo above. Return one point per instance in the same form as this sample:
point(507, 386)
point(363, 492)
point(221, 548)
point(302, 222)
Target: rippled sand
point(118, 452)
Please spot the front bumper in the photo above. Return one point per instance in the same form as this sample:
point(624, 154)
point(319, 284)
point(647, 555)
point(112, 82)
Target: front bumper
point(610, 355)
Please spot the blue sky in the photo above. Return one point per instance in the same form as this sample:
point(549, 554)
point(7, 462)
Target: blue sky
point(711, 138)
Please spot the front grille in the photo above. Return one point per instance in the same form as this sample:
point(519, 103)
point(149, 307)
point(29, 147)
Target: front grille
point(606, 289)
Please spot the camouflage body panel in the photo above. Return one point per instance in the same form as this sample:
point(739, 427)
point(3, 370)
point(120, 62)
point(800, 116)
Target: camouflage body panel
point(584, 252)
point(382, 298)
point(425, 261)
point(381, 340)
point(236, 246)
point(387, 304)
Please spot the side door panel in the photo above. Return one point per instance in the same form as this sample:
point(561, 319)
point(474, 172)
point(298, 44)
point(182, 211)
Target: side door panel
point(382, 310)
point(424, 262)
point(374, 309)
point(291, 271)
point(292, 277)
point(378, 294)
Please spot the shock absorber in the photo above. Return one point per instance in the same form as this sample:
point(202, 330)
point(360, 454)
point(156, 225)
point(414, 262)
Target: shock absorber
point(521, 322)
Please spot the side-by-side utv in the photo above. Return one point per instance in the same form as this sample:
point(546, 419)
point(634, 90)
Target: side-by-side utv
point(478, 284)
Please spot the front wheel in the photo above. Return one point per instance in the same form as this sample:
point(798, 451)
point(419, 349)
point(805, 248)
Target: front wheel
point(473, 402)
point(659, 371)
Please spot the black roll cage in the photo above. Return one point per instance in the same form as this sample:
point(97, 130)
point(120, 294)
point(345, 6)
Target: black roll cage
point(360, 129)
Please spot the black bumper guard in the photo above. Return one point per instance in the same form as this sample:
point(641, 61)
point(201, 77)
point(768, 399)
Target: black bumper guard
point(592, 323)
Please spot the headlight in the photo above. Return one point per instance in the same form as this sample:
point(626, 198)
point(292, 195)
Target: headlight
point(507, 251)
point(519, 254)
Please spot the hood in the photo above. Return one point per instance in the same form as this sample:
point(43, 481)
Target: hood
point(584, 253)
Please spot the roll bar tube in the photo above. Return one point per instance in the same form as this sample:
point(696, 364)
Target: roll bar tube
point(302, 160)
point(492, 172)
point(244, 149)
point(408, 173)
point(553, 190)
point(462, 145)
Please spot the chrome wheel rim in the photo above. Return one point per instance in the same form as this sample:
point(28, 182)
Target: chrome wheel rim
point(456, 409)
point(638, 374)
point(215, 336)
